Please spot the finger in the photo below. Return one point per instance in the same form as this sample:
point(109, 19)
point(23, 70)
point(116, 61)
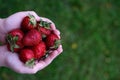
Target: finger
point(26, 13)
point(32, 13)
point(57, 32)
point(48, 20)
point(60, 49)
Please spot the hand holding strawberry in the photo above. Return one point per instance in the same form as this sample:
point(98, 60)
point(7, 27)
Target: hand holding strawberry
point(37, 38)
point(12, 60)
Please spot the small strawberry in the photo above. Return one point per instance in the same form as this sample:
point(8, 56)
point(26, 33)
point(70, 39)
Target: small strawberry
point(14, 39)
point(44, 28)
point(39, 50)
point(28, 23)
point(27, 57)
point(52, 41)
point(16, 48)
point(17, 33)
point(32, 38)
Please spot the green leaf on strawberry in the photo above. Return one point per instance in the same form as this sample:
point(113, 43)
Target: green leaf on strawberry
point(32, 20)
point(30, 63)
point(16, 46)
point(45, 24)
point(12, 42)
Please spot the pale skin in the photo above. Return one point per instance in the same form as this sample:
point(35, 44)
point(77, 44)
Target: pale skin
point(11, 60)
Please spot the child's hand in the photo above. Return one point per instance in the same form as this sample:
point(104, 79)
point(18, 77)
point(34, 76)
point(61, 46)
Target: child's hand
point(11, 60)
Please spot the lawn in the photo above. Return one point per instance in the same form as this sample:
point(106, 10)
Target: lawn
point(90, 31)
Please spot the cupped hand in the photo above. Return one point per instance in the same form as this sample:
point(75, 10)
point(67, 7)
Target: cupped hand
point(11, 60)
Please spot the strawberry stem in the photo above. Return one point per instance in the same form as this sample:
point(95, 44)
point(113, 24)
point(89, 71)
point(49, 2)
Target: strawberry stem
point(12, 41)
point(32, 20)
point(30, 63)
point(44, 24)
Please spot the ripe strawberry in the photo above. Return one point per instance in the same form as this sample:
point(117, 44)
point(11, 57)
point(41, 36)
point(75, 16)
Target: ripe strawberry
point(52, 41)
point(27, 56)
point(32, 38)
point(44, 28)
point(28, 23)
point(39, 50)
point(13, 39)
point(45, 31)
point(18, 46)
point(17, 33)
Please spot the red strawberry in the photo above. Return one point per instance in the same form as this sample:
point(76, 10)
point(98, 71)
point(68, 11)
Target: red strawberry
point(44, 27)
point(14, 40)
point(39, 50)
point(28, 23)
point(27, 56)
point(17, 33)
point(16, 48)
point(33, 37)
point(45, 31)
point(52, 41)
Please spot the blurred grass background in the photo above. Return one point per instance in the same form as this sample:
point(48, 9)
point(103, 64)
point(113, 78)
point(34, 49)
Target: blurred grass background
point(90, 31)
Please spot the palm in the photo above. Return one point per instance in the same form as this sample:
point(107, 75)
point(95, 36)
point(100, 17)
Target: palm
point(11, 59)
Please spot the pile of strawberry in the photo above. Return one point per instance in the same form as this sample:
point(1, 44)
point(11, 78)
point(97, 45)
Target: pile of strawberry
point(33, 40)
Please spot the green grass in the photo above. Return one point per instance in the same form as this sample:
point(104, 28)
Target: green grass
point(90, 31)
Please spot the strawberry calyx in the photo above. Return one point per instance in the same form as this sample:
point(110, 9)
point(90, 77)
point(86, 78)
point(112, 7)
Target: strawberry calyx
point(32, 20)
point(44, 24)
point(56, 44)
point(12, 42)
point(30, 63)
